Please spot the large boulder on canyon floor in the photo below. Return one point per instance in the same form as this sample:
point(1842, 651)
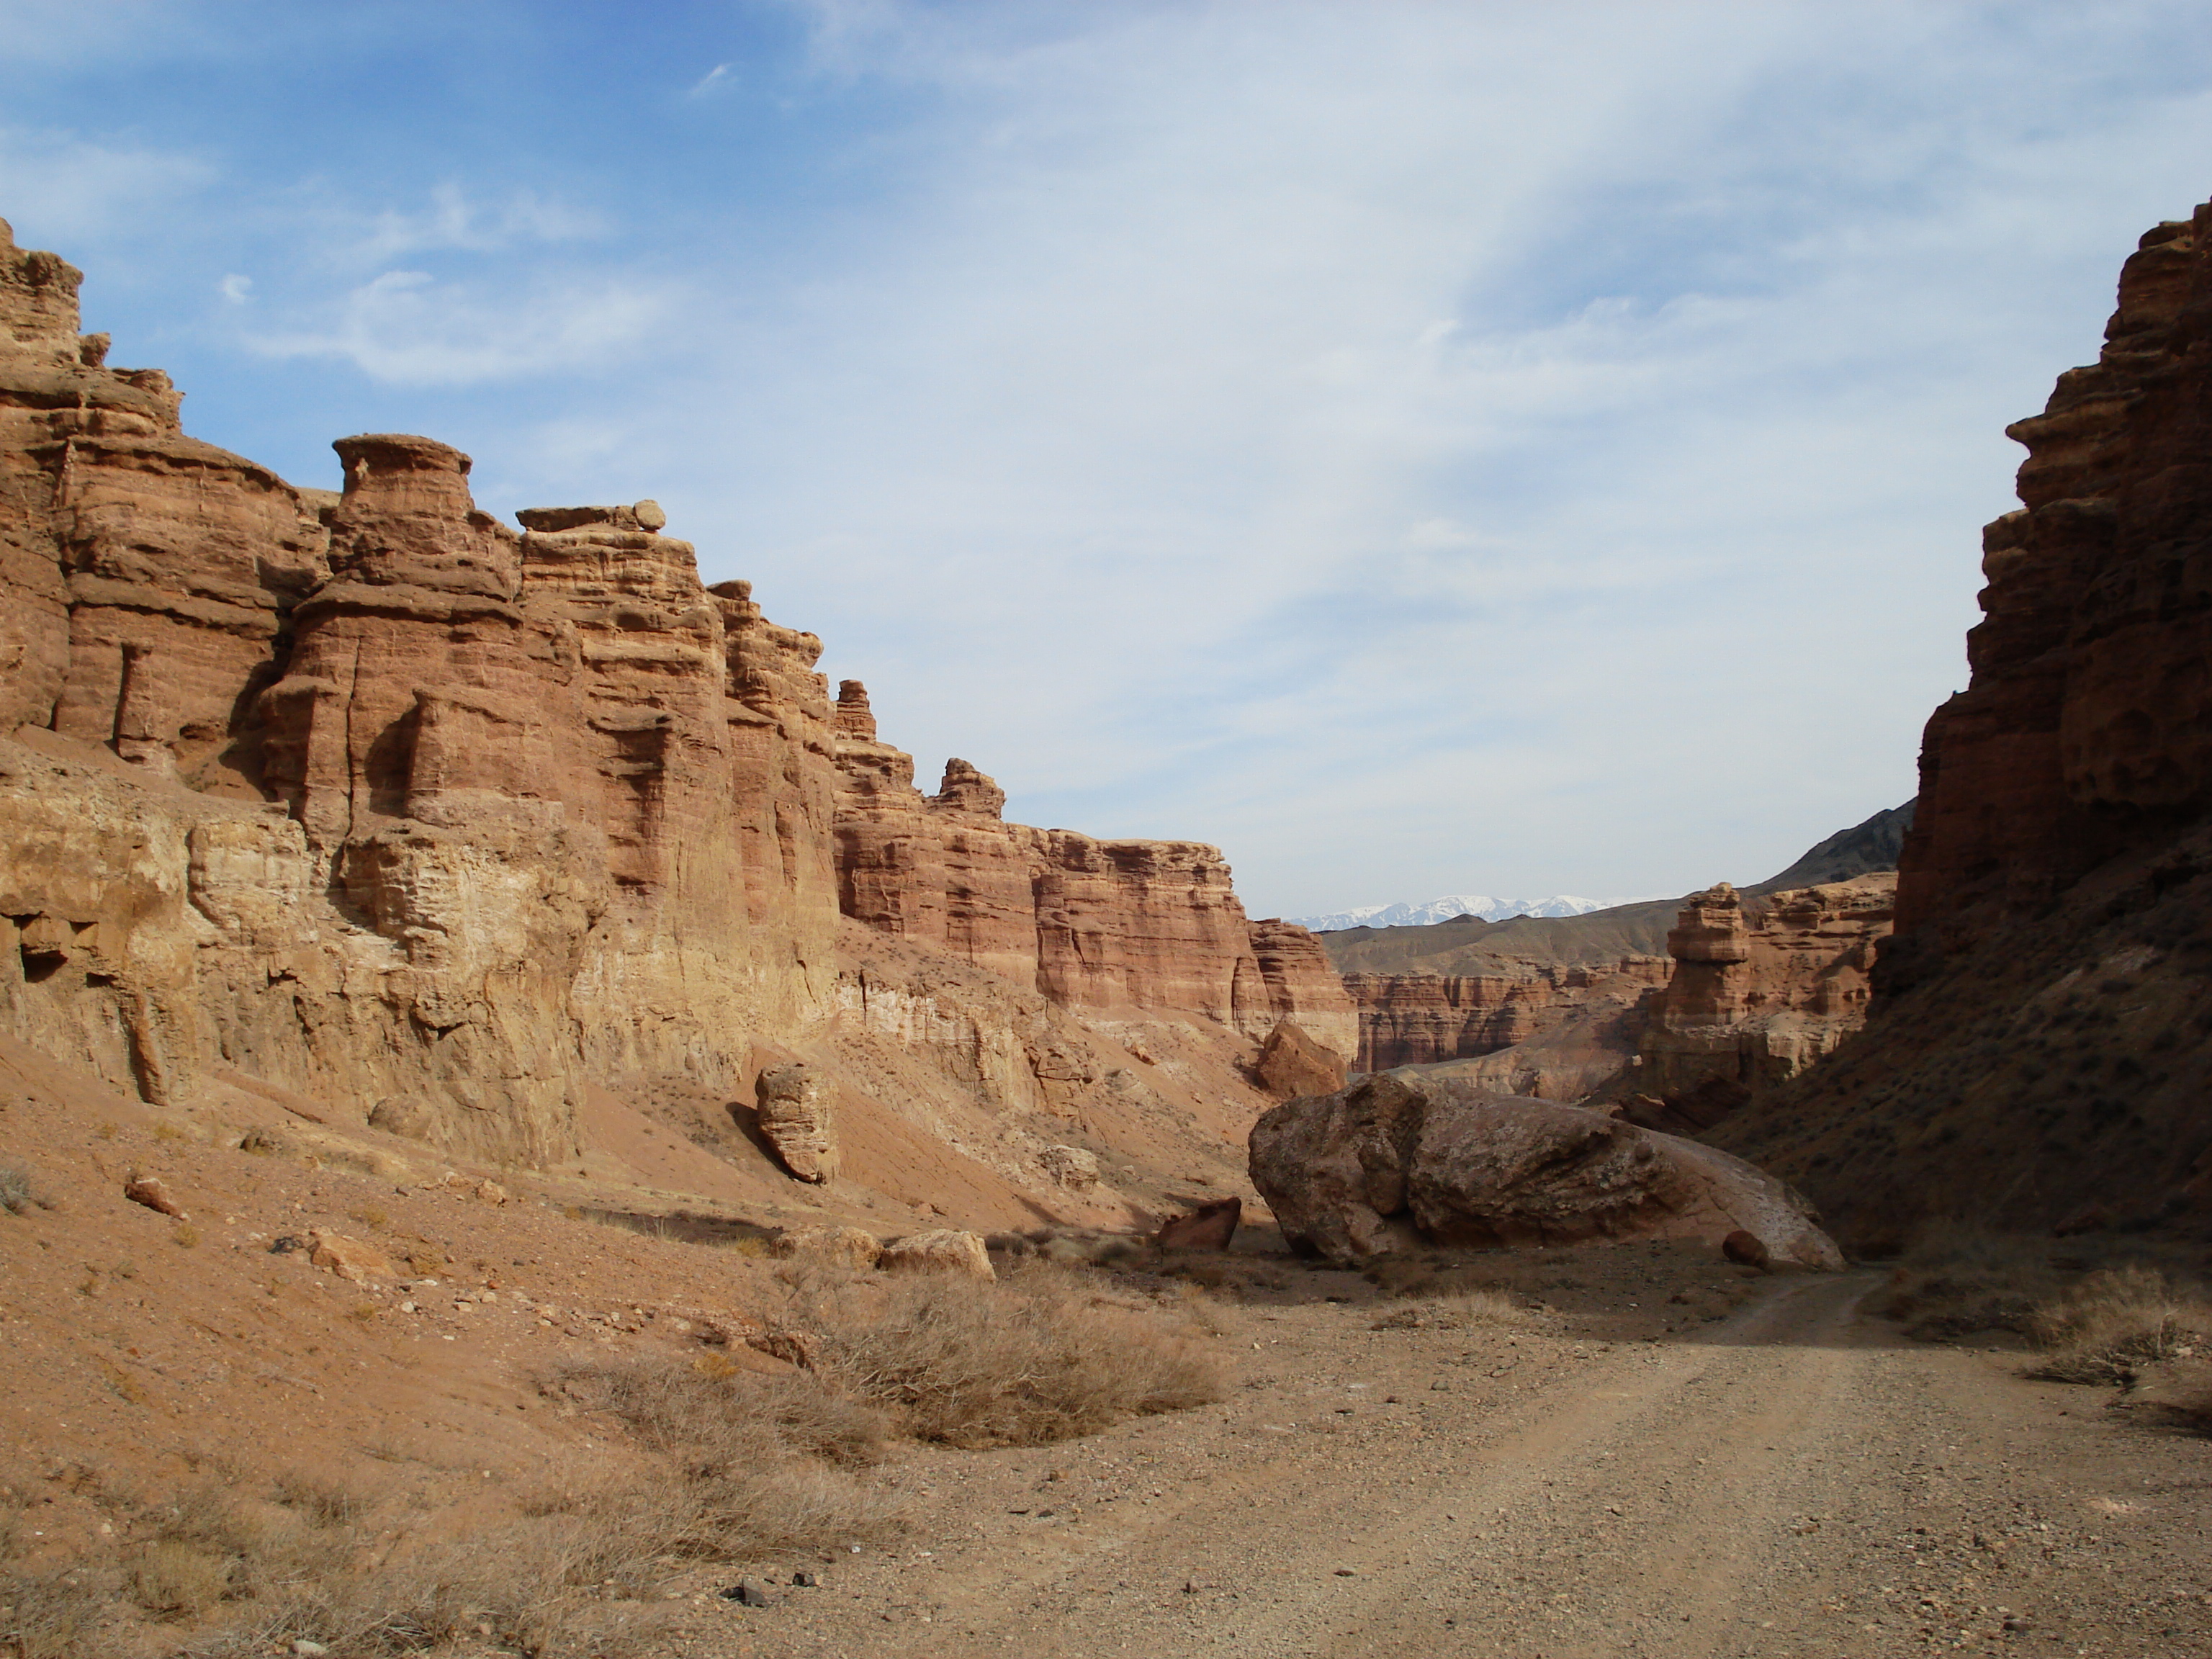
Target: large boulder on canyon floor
point(1400, 1158)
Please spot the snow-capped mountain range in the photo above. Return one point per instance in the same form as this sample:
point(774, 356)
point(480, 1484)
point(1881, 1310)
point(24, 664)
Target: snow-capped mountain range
point(1454, 904)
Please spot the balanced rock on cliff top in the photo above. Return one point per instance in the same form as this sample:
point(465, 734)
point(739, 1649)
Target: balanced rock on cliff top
point(1399, 1157)
point(797, 1120)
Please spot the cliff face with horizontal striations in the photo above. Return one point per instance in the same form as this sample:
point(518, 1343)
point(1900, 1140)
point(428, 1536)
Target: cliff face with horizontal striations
point(1132, 925)
point(2039, 1034)
point(369, 797)
point(1423, 1019)
point(1759, 992)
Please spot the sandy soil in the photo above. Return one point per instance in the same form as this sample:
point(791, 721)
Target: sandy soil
point(1790, 1479)
point(1643, 1451)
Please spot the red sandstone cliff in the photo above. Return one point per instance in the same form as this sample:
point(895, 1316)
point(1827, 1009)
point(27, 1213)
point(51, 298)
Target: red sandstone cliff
point(2039, 1035)
point(1099, 925)
point(1422, 1019)
point(371, 797)
point(1760, 991)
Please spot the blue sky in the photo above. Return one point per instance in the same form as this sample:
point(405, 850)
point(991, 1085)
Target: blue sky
point(1420, 447)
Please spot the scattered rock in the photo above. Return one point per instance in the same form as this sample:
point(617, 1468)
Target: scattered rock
point(947, 1249)
point(410, 1115)
point(348, 1258)
point(265, 1143)
point(1071, 1166)
point(1292, 1063)
point(804, 1580)
point(153, 1193)
point(848, 1247)
point(747, 1594)
point(795, 1116)
point(1746, 1249)
point(285, 1244)
point(1209, 1227)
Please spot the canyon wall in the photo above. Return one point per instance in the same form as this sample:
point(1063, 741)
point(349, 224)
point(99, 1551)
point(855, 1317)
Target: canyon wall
point(2039, 1036)
point(1131, 926)
point(1422, 1019)
point(1759, 992)
point(366, 796)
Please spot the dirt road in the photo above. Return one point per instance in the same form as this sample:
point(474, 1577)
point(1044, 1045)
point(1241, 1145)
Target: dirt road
point(1792, 1479)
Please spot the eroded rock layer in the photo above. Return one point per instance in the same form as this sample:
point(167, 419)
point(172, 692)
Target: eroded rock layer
point(1421, 1019)
point(441, 826)
point(2039, 1037)
point(1759, 992)
point(1102, 924)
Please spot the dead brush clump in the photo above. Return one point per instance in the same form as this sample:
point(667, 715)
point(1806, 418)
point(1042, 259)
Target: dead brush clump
point(761, 1462)
point(2108, 1326)
point(1047, 1354)
point(1954, 1279)
point(1461, 1310)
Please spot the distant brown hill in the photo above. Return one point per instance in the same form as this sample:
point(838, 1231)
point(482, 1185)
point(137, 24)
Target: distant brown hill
point(1469, 945)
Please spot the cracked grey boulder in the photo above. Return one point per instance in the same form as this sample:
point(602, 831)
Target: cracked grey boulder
point(1399, 1159)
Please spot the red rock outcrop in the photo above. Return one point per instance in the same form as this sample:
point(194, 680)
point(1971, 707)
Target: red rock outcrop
point(2086, 727)
point(1761, 991)
point(366, 797)
point(1421, 1019)
point(2038, 1045)
point(1134, 925)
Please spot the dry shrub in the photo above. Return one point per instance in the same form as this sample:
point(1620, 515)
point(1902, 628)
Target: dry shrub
point(51, 1615)
point(1038, 1357)
point(762, 1462)
point(1455, 1312)
point(14, 1191)
point(2109, 1325)
point(1954, 1279)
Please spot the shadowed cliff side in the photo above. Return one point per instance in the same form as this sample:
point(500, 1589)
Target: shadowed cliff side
point(2042, 1032)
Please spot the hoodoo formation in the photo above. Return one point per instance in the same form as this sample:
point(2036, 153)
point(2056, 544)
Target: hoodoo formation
point(369, 797)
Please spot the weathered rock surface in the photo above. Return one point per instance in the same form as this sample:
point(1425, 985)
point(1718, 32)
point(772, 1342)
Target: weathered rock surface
point(1759, 992)
point(794, 1113)
point(1209, 1227)
point(369, 797)
point(1399, 1157)
point(844, 1247)
point(2036, 1044)
point(946, 1249)
point(1421, 1019)
point(1291, 1064)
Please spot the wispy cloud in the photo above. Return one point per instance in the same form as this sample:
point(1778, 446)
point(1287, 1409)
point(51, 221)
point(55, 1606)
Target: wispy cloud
point(405, 328)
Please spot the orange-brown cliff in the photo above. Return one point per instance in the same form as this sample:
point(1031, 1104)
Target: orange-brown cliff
point(366, 796)
point(2039, 1034)
point(1423, 1019)
point(1132, 925)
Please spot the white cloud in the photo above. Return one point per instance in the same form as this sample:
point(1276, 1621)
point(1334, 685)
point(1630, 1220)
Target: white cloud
point(451, 221)
point(63, 190)
point(235, 288)
point(405, 328)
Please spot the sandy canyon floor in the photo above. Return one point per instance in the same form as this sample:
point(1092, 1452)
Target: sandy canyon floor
point(1629, 1450)
point(1792, 1478)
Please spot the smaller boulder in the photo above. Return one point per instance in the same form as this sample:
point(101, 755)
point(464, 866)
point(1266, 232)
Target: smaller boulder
point(1071, 1166)
point(153, 1193)
point(947, 1249)
point(1208, 1227)
point(1746, 1249)
point(795, 1116)
point(845, 1247)
point(410, 1115)
point(348, 1258)
point(1292, 1063)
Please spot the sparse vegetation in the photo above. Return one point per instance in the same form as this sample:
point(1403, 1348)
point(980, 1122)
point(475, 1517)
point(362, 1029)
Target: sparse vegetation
point(14, 1191)
point(2113, 1323)
point(1041, 1356)
point(1954, 1279)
